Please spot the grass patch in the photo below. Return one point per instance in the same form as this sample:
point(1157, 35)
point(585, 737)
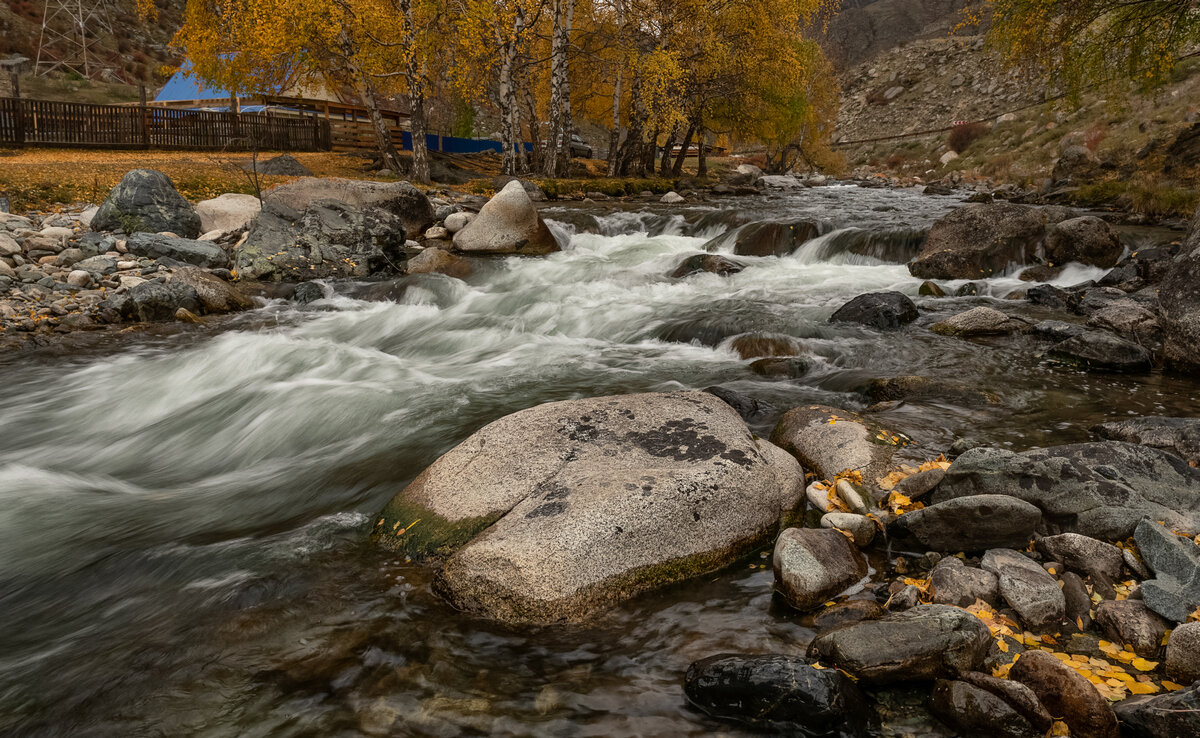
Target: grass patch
point(1154, 199)
point(614, 187)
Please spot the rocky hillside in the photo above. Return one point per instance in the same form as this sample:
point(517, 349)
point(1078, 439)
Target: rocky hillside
point(863, 29)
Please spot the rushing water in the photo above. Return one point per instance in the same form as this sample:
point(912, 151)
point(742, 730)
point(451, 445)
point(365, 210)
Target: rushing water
point(182, 516)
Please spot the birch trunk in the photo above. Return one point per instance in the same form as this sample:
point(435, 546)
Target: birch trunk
point(416, 99)
point(677, 169)
point(370, 100)
point(558, 153)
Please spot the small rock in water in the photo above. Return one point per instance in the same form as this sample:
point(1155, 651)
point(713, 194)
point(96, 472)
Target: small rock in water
point(881, 310)
point(846, 613)
point(672, 198)
point(1027, 588)
point(980, 321)
point(813, 565)
point(1100, 351)
point(931, 289)
point(860, 526)
point(783, 367)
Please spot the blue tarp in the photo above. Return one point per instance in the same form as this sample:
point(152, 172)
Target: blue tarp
point(183, 87)
point(455, 145)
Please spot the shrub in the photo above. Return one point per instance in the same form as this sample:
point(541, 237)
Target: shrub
point(1094, 137)
point(962, 136)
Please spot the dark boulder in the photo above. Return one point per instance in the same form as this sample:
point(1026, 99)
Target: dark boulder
point(145, 201)
point(711, 263)
point(1083, 554)
point(1161, 716)
point(1101, 351)
point(885, 311)
point(1087, 240)
point(1100, 490)
point(197, 253)
point(399, 199)
point(151, 302)
point(954, 583)
point(847, 613)
point(1174, 592)
point(215, 294)
point(977, 241)
point(765, 238)
point(751, 409)
point(891, 389)
point(782, 693)
point(1066, 694)
point(1027, 587)
point(973, 523)
point(977, 712)
point(1050, 296)
point(780, 367)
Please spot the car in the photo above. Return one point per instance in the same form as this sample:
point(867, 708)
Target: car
point(580, 149)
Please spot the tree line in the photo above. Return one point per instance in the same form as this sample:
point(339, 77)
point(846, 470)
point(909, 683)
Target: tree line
point(656, 73)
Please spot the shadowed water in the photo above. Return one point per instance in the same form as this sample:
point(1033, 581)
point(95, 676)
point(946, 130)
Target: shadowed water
point(182, 516)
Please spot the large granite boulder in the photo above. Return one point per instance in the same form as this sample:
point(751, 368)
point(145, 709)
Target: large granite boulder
point(779, 693)
point(1179, 305)
point(146, 201)
point(1099, 489)
point(1176, 435)
point(508, 224)
point(926, 642)
point(227, 213)
point(403, 201)
point(1087, 240)
point(973, 523)
point(814, 564)
point(764, 238)
point(557, 511)
point(978, 241)
point(327, 238)
point(185, 250)
point(829, 441)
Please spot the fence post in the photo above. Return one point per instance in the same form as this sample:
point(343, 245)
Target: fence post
point(145, 116)
point(19, 119)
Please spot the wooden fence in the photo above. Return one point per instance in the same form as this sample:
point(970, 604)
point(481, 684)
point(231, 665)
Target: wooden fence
point(45, 123)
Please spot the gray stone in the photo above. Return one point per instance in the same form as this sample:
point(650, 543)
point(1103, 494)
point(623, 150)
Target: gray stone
point(973, 523)
point(187, 251)
point(813, 565)
point(438, 261)
point(882, 310)
point(557, 511)
point(977, 712)
point(155, 301)
point(1176, 435)
point(1174, 592)
point(215, 294)
point(508, 224)
point(1083, 554)
point(860, 526)
point(926, 642)
point(672, 198)
point(145, 201)
point(1026, 587)
point(954, 583)
point(1183, 654)
point(920, 484)
point(1015, 695)
point(1132, 623)
point(455, 222)
point(79, 278)
point(1128, 320)
point(978, 241)
point(828, 441)
point(1087, 240)
point(1179, 304)
point(1057, 330)
point(1162, 716)
point(1079, 602)
point(97, 265)
point(282, 165)
point(400, 200)
point(1099, 490)
point(1066, 694)
point(980, 321)
point(227, 213)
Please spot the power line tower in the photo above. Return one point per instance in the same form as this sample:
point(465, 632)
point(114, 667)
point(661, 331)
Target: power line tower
point(69, 31)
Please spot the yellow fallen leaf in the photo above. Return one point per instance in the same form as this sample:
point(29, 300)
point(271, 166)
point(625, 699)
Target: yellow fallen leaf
point(1143, 665)
point(1171, 686)
point(1059, 728)
point(1141, 688)
point(1000, 644)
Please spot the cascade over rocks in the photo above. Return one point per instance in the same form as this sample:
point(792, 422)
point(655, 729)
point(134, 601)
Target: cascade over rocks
point(508, 224)
point(1099, 490)
point(779, 692)
point(926, 642)
point(981, 240)
point(146, 201)
point(557, 511)
point(765, 238)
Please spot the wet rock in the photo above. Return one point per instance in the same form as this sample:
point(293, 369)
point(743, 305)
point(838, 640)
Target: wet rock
point(215, 294)
point(227, 213)
point(1176, 435)
point(326, 239)
point(847, 613)
point(977, 241)
point(1057, 330)
point(1099, 490)
point(1179, 304)
point(186, 251)
point(859, 526)
point(1183, 654)
point(812, 565)
point(400, 200)
point(1016, 695)
point(1174, 592)
point(828, 441)
point(778, 692)
point(973, 523)
point(970, 289)
point(1087, 240)
point(926, 642)
point(1129, 320)
point(1079, 602)
point(1132, 623)
point(508, 224)
point(155, 302)
point(1160, 716)
point(1040, 273)
point(307, 292)
point(955, 583)
point(930, 289)
point(764, 238)
point(437, 261)
point(889, 389)
point(783, 367)
point(977, 712)
point(1066, 695)
point(980, 321)
point(555, 512)
point(906, 597)
point(1026, 587)
point(755, 345)
point(750, 408)
point(920, 484)
point(455, 222)
point(1083, 554)
point(146, 201)
point(711, 263)
point(1052, 297)
point(885, 311)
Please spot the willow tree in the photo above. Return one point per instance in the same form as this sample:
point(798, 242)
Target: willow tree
point(1080, 43)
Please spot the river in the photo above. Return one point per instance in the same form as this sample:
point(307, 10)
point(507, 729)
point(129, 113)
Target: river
point(183, 514)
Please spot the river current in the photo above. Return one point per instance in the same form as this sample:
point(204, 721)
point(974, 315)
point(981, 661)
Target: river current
point(183, 514)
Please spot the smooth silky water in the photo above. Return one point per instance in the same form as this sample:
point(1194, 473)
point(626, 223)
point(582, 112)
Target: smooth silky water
point(183, 514)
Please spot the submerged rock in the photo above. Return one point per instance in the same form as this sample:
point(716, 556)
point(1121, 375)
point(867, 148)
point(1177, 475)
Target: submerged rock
point(926, 642)
point(780, 693)
point(812, 565)
point(560, 510)
point(1101, 351)
point(885, 311)
point(829, 440)
point(1099, 490)
point(508, 224)
point(923, 388)
point(146, 201)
